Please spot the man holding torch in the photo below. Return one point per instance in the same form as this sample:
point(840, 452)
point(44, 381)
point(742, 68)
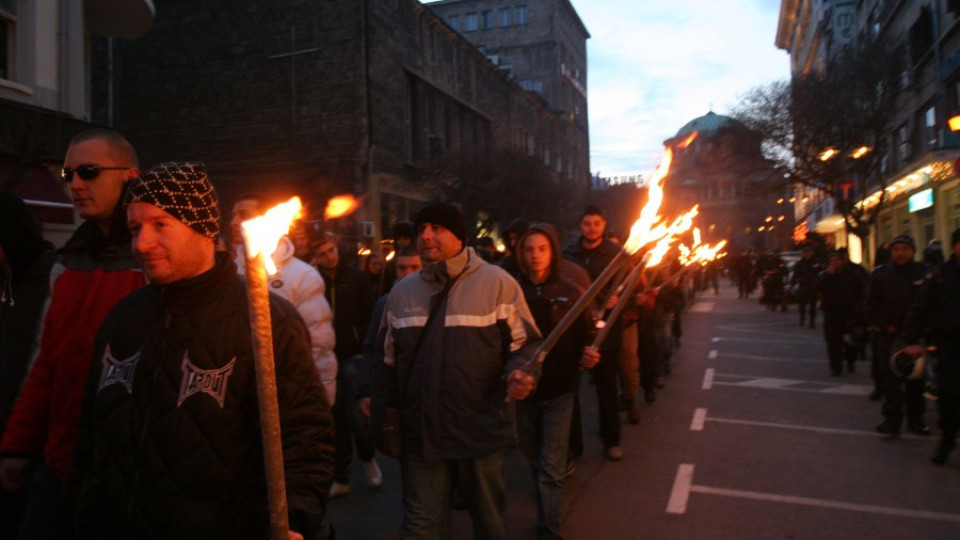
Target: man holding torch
point(544, 418)
point(594, 252)
point(454, 340)
point(170, 443)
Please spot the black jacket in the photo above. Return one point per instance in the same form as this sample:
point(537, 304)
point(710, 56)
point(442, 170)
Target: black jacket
point(594, 261)
point(890, 292)
point(348, 294)
point(170, 445)
point(841, 295)
point(936, 310)
point(804, 277)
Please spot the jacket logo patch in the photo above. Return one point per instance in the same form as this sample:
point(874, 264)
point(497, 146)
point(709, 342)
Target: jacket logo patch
point(212, 382)
point(118, 371)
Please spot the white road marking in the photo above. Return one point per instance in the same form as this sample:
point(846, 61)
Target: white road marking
point(815, 429)
point(777, 341)
point(790, 386)
point(772, 358)
point(681, 489)
point(807, 501)
point(713, 354)
point(702, 307)
point(716, 339)
point(699, 417)
point(708, 379)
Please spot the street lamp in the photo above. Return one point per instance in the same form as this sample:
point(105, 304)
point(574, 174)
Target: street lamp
point(954, 122)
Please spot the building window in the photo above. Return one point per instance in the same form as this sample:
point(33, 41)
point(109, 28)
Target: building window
point(928, 120)
point(505, 19)
point(471, 22)
point(520, 15)
point(532, 85)
point(8, 35)
point(454, 22)
point(903, 144)
point(489, 19)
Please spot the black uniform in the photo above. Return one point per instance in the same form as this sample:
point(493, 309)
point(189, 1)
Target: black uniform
point(936, 311)
point(841, 295)
point(890, 292)
point(804, 280)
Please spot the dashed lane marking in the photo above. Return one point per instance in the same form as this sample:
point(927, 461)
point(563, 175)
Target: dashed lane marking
point(777, 341)
point(702, 307)
point(699, 417)
point(683, 486)
point(773, 358)
point(814, 429)
point(713, 354)
point(681, 489)
point(708, 379)
point(790, 385)
point(824, 503)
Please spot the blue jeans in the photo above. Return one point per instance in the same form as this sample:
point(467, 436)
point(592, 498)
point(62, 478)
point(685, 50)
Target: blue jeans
point(349, 425)
point(544, 434)
point(428, 492)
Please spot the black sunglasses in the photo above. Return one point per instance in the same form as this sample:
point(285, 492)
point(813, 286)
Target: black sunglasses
point(86, 172)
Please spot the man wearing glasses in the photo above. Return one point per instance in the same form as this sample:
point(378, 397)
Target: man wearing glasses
point(93, 271)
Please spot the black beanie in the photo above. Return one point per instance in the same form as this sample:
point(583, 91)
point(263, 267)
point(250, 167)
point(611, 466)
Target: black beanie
point(182, 190)
point(903, 239)
point(445, 215)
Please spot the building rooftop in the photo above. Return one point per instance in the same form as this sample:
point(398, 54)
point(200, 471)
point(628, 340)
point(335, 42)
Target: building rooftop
point(709, 122)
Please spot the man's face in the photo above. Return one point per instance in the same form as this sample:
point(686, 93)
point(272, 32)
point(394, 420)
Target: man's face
point(408, 265)
point(95, 199)
point(243, 210)
point(327, 256)
point(374, 265)
point(901, 253)
point(168, 250)
point(536, 252)
point(437, 243)
point(592, 227)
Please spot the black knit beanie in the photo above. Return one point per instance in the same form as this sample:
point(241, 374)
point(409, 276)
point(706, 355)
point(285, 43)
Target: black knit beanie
point(182, 190)
point(445, 215)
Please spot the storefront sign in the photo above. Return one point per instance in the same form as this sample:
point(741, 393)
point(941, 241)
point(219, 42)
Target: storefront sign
point(921, 200)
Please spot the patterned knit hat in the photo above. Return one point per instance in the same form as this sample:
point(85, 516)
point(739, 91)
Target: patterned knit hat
point(182, 190)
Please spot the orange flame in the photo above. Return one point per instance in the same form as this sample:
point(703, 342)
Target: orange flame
point(261, 234)
point(648, 228)
point(659, 251)
point(686, 142)
point(340, 206)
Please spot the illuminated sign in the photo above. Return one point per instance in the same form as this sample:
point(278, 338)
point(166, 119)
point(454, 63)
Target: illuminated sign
point(920, 200)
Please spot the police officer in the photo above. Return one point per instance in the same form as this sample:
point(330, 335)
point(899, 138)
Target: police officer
point(936, 311)
point(841, 287)
point(890, 291)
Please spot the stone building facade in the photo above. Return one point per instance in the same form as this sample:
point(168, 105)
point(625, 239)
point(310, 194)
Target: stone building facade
point(379, 98)
point(723, 170)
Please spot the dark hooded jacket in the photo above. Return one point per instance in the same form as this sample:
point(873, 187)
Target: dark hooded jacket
point(549, 302)
point(170, 442)
point(25, 284)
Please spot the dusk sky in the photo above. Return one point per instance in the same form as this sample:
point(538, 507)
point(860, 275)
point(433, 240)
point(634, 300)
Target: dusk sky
point(654, 66)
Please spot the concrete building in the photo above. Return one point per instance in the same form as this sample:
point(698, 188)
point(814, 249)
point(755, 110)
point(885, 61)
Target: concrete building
point(918, 152)
point(541, 44)
point(381, 99)
point(741, 197)
point(45, 92)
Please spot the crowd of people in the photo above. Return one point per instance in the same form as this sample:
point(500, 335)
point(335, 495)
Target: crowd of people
point(128, 403)
point(902, 315)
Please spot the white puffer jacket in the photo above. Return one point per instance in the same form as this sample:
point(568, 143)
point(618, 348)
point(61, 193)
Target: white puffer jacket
point(301, 285)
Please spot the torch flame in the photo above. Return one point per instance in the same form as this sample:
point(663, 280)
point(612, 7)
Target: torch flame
point(645, 229)
point(659, 251)
point(340, 206)
point(686, 142)
point(261, 234)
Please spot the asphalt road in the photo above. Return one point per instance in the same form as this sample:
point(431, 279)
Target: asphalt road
point(751, 439)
